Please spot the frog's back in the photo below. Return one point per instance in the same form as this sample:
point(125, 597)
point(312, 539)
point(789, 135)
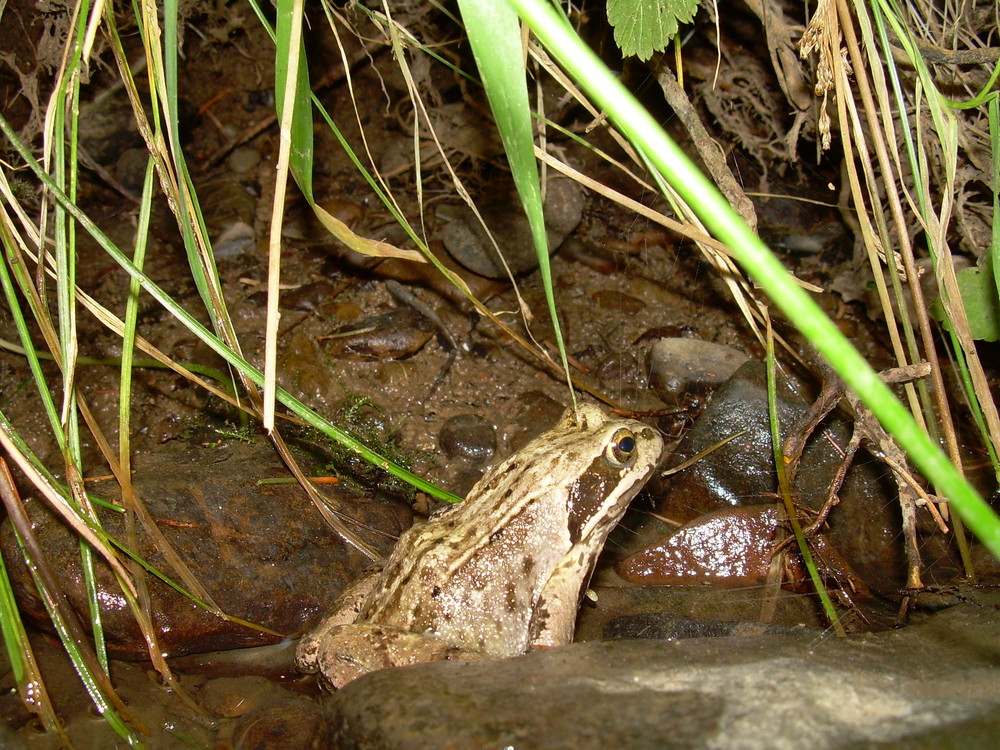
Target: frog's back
point(478, 598)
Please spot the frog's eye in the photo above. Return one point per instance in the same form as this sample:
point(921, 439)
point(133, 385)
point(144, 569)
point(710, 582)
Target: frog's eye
point(620, 449)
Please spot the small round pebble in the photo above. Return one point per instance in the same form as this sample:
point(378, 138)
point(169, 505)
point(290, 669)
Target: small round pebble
point(242, 160)
point(468, 436)
point(682, 365)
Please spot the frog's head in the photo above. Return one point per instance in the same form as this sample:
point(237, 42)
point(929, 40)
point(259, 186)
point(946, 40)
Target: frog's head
point(619, 456)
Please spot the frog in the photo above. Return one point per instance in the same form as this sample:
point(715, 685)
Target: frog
point(501, 573)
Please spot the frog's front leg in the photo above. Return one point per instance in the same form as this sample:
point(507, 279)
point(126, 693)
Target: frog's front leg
point(553, 620)
point(354, 650)
point(344, 611)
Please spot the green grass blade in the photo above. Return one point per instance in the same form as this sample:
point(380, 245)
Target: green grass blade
point(785, 488)
point(62, 141)
point(162, 59)
point(291, 87)
point(164, 72)
point(295, 154)
point(13, 265)
point(27, 677)
point(994, 121)
point(495, 37)
point(131, 316)
point(64, 620)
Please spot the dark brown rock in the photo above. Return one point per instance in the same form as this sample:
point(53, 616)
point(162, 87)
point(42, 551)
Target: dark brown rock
point(730, 547)
point(734, 548)
point(261, 551)
point(864, 526)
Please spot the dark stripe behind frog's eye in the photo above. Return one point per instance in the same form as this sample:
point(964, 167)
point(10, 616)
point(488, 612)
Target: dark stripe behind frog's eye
point(621, 448)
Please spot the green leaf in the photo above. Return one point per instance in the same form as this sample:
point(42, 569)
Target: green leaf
point(979, 296)
point(643, 27)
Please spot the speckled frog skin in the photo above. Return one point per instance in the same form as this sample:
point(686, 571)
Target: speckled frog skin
point(501, 572)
